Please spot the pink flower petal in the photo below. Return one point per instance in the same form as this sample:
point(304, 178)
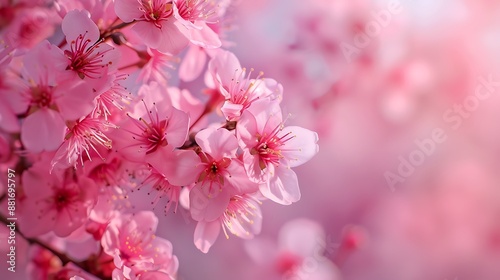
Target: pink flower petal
point(180, 167)
point(267, 114)
point(300, 148)
point(43, 130)
point(185, 101)
point(246, 226)
point(283, 187)
point(32, 223)
point(192, 64)
point(204, 208)
point(205, 235)
point(8, 120)
point(231, 110)
point(37, 180)
point(223, 67)
point(75, 100)
point(268, 88)
point(12, 94)
point(218, 143)
point(173, 41)
point(110, 239)
point(77, 23)
point(128, 10)
point(69, 219)
point(204, 37)
point(186, 23)
point(177, 129)
point(246, 130)
point(145, 219)
point(149, 33)
point(239, 178)
point(44, 62)
point(162, 250)
point(111, 56)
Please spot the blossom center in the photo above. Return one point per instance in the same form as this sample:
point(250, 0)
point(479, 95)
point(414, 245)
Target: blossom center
point(214, 171)
point(65, 197)
point(133, 244)
point(155, 134)
point(288, 263)
point(242, 88)
point(105, 173)
point(41, 96)
point(239, 215)
point(269, 147)
point(152, 134)
point(193, 10)
point(161, 188)
point(86, 59)
point(156, 11)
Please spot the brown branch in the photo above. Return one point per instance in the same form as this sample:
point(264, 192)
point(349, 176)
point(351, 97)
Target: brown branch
point(65, 259)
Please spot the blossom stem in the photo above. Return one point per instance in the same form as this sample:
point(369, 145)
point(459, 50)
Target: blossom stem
point(106, 34)
point(134, 64)
point(210, 106)
point(206, 111)
point(65, 259)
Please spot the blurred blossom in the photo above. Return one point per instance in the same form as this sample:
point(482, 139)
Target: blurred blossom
point(297, 254)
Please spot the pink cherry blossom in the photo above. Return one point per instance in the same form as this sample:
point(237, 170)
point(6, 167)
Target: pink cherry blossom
point(221, 168)
point(80, 140)
point(156, 129)
point(271, 149)
point(151, 127)
point(102, 213)
point(130, 239)
point(46, 125)
point(241, 217)
point(48, 101)
point(169, 172)
point(298, 253)
point(88, 57)
point(155, 23)
point(30, 27)
point(222, 175)
point(58, 202)
point(194, 16)
point(237, 86)
point(42, 263)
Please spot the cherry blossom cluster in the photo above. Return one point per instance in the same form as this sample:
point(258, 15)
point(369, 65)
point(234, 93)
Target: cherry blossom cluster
point(98, 100)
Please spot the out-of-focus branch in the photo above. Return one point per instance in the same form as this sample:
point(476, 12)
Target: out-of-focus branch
point(65, 259)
